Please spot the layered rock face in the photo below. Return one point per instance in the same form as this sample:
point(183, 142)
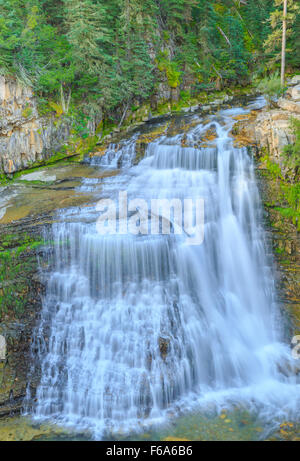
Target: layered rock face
point(21, 292)
point(25, 137)
point(270, 129)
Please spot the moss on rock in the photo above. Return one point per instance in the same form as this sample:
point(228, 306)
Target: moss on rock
point(20, 302)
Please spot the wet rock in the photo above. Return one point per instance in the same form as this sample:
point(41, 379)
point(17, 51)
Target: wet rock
point(42, 176)
point(20, 304)
point(289, 369)
point(288, 431)
point(24, 429)
point(164, 346)
point(283, 238)
point(210, 135)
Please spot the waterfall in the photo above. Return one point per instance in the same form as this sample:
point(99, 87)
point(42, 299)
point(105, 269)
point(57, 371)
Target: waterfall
point(136, 327)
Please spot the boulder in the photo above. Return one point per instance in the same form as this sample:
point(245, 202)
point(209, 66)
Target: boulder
point(289, 105)
point(164, 346)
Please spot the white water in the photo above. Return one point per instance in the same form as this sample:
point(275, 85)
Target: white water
point(139, 327)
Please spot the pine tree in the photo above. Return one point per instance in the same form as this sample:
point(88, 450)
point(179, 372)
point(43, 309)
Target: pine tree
point(255, 14)
point(108, 54)
point(87, 33)
point(133, 67)
point(273, 42)
point(293, 58)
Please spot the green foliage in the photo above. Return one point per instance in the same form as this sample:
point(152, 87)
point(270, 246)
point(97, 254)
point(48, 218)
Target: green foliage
point(31, 47)
point(272, 43)
point(272, 167)
point(17, 261)
point(292, 151)
point(289, 193)
point(105, 56)
point(256, 14)
point(271, 87)
point(170, 68)
point(27, 112)
point(235, 58)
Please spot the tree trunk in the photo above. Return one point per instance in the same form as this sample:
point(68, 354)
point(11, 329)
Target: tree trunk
point(283, 43)
point(124, 115)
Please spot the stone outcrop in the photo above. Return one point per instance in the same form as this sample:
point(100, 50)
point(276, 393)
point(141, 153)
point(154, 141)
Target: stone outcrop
point(270, 128)
point(289, 105)
point(25, 137)
point(272, 131)
point(21, 292)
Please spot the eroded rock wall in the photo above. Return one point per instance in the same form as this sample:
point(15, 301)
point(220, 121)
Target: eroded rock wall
point(21, 291)
point(272, 131)
point(25, 137)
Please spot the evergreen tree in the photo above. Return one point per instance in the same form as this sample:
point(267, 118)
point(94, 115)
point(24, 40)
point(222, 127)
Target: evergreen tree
point(293, 58)
point(87, 33)
point(255, 14)
point(274, 40)
point(108, 54)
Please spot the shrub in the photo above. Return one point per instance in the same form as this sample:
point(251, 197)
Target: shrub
point(271, 88)
point(291, 152)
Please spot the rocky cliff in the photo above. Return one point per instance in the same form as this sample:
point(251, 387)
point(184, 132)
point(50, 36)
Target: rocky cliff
point(25, 137)
point(270, 128)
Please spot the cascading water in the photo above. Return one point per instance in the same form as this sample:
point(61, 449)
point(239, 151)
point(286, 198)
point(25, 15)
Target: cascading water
point(140, 326)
